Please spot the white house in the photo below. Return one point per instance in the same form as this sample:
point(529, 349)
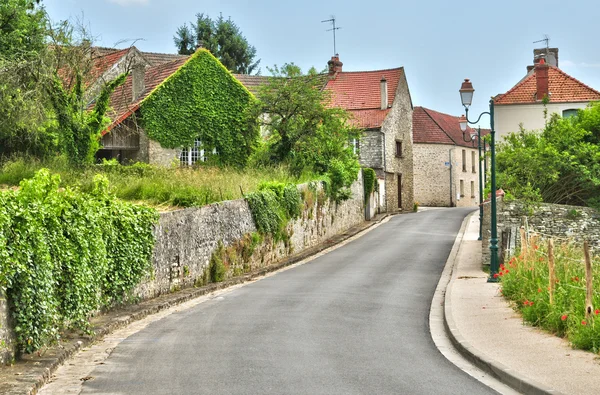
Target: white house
point(524, 105)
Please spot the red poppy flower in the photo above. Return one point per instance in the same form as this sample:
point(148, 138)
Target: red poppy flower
point(496, 275)
point(564, 317)
point(583, 322)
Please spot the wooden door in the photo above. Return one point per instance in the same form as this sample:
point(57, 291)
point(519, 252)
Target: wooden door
point(399, 190)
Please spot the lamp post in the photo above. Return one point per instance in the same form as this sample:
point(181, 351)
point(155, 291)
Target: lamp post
point(475, 135)
point(466, 96)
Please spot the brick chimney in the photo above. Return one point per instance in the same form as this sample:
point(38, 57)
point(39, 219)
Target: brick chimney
point(541, 80)
point(137, 81)
point(384, 93)
point(334, 65)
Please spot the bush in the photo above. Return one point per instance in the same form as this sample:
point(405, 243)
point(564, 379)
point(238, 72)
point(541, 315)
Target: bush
point(68, 254)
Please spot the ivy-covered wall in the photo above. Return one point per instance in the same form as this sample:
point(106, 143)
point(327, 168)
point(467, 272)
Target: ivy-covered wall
point(202, 100)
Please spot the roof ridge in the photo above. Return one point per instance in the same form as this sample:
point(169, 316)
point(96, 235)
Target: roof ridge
point(438, 125)
point(370, 71)
point(574, 79)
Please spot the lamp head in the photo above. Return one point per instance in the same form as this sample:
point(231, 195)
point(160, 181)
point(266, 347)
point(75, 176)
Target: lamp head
point(466, 92)
point(462, 121)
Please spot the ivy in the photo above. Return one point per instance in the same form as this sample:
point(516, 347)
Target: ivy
point(202, 100)
point(65, 254)
point(273, 205)
point(369, 178)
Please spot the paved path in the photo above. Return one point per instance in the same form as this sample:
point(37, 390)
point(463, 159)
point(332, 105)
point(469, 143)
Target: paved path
point(354, 321)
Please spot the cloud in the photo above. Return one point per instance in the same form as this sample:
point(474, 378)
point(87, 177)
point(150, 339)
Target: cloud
point(570, 63)
point(126, 3)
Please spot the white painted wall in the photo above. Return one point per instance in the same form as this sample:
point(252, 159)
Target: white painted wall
point(508, 117)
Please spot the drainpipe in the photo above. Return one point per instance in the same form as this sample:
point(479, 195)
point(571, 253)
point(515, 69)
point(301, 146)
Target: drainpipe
point(450, 167)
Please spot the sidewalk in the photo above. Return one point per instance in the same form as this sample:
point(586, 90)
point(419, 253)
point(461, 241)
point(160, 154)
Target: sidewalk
point(485, 329)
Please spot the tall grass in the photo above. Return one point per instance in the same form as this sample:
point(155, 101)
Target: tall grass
point(525, 281)
point(157, 186)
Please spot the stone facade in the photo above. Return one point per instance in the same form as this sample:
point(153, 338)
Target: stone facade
point(378, 150)
point(157, 155)
point(573, 222)
point(432, 171)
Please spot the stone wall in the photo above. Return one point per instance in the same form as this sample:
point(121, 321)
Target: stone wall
point(6, 335)
point(397, 127)
point(432, 175)
point(370, 149)
point(157, 155)
point(574, 222)
point(186, 239)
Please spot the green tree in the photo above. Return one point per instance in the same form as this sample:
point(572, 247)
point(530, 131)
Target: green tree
point(223, 38)
point(560, 165)
point(24, 27)
point(304, 132)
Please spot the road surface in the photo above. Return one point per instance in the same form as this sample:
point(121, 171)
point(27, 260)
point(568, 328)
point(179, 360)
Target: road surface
point(353, 321)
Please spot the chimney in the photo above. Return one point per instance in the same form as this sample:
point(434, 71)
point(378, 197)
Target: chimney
point(541, 80)
point(384, 93)
point(137, 81)
point(334, 65)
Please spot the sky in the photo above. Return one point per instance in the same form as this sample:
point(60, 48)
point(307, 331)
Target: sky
point(438, 42)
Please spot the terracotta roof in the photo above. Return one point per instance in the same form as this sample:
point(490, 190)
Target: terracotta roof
point(252, 82)
point(432, 127)
point(103, 63)
point(121, 101)
point(358, 91)
point(562, 87)
point(159, 58)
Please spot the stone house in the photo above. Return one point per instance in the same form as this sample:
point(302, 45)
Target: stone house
point(523, 103)
point(446, 168)
point(125, 139)
point(380, 103)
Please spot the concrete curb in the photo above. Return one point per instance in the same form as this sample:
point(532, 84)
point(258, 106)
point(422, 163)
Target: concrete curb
point(30, 373)
point(478, 358)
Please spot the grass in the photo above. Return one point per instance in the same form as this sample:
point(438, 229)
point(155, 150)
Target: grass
point(161, 187)
point(525, 281)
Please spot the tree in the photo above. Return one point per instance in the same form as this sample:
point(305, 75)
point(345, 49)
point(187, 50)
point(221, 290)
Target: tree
point(304, 132)
point(23, 31)
point(560, 165)
point(223, 38)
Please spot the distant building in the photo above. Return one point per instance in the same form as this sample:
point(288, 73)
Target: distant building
point(446, 167)
point(523, 103)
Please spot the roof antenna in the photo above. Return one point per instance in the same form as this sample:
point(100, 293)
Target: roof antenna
point(332, 20)
point(546, 39)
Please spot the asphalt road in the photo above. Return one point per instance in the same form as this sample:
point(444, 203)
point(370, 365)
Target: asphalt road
point(354, 321)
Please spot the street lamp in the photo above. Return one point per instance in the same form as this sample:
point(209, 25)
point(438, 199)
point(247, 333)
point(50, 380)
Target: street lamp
point(466, 96)
point(472, 136)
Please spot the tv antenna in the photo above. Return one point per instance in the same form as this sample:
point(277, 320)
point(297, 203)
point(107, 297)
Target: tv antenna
point(546, 39)
point(333, 29)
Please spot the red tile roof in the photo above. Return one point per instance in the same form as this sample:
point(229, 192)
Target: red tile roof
point(432, 127)
point(359, 92)
point(563, 89)
point(252, 82)
point(121, 101)
point(105, 62)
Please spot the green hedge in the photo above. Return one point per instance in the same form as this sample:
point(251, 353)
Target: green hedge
point(65, 254)
point(273, 205)
point(202, 100)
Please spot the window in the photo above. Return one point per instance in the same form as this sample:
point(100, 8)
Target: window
point(191, 155)
point(355, 145)
point(472, 189)
point(464, 160)
point(398, 148)
point(462, 188)
point(569, 113)
point(473, 162)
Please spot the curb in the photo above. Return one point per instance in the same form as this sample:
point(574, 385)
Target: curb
point(30, 373)
point(478, 358)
